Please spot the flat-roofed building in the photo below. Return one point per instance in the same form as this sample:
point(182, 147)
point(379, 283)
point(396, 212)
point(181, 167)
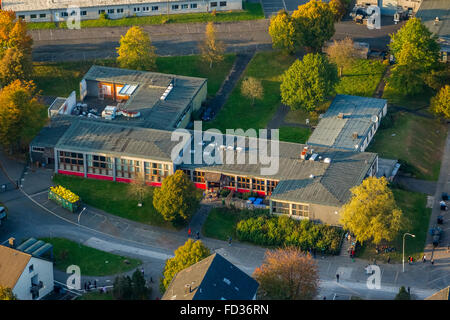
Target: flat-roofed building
point(62, 10)
point(349, 123)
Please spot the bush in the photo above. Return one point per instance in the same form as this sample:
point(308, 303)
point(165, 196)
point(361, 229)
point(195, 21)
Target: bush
point(103, 16)
point(279, 231)
point(224, 193)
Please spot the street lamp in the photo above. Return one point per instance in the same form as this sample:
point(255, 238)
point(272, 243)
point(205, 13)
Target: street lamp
point(409, 234)
point(79, 216)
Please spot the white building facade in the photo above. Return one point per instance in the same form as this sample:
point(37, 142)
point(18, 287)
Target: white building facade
point(62, 10)
point(36, 280)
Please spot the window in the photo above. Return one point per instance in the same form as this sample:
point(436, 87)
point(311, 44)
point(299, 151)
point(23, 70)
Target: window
point(146, 9)
point(280, 207)
point(127, 168)
point(71, 161)
point(120, 10)
point(184, 6)
point(21, 17)
point(301, 210)
point(271, 185)
point(83, 13)
point(223, 3)
point(42, 15)
point(243, 183)
point(137, 9)
point(37, 149)
point(31, 268)
point(99, 165)
point(175, 7)
point(33, 16)
point(154, 8)
point(199, 176)
point(110, 10)
point(213, 4)
point(259, 185)
point(64, 14)
point(156, 172)
point(193, 6)
point(101, 11)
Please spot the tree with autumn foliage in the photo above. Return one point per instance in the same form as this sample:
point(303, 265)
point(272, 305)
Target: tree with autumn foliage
point(440, 104)
point(138, 188)
point(252, 88)
point(136, 51)
point(177, 199)
point(15, 49)
point(185, 256)
point(212, 50)
point(372, 213)
point(339, 8)
point(314, 23)
point(343, 53)
point(287, 274)
point(21, 115)
point(282, 32)
point(6, 294)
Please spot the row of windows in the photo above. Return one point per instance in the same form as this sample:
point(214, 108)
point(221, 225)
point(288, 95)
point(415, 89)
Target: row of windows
point(221, 3)
point(156, 172)
point(71, 161)
point(301, 210)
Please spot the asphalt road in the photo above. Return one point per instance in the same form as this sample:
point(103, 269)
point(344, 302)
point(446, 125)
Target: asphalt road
point(181, 39)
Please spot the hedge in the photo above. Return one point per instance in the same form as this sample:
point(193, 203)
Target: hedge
point(283, 231)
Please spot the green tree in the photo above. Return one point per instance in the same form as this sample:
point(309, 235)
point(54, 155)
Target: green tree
point(308, 82)
point(185, 256)
point(371, 213)
point(314, 24)
point(339, 8)
point(252, 89)
point(417, 53)
point(7, 294)
point(21, 115)
point(439, 77)
point(136, 50)
point(287, 274)
point(139, 287)
point(440, 104)
point(211, 50)
point(15, 49)
point(402, 294)
point(282, 32)
point(122, 288)
point(177, 199)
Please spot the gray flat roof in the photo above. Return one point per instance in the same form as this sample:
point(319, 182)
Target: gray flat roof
point(429, 10)
point(155, 113)
point(49, 136)
point(31, 5)
point(336, 132)
point(101, 137)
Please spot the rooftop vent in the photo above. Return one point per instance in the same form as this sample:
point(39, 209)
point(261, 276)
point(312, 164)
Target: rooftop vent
point(327, 160)
point(355, 135)
point(313, 157)
point(166, 93)
point(341, 115)
point(227, 281)
point(311, 176)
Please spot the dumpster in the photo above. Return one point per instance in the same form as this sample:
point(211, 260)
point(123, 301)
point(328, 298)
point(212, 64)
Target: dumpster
point(65, 198)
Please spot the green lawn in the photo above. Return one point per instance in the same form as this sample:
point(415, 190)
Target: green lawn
point(61, 78)
point(418, 143)
point(238, 112)
point(251, 11)
point(92, 262)
point(221, 224)
point(112, 197)
point(294, 134)
point(361, 79)
point(421, 101)
point(413, 205)
point(95, 295)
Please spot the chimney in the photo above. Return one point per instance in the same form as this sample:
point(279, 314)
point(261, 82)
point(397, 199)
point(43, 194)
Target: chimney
point(12, 242)
point(355, 135)
point(341, 115)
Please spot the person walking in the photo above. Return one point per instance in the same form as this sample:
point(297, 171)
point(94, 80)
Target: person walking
point(337, 277)
point(424, 258)
point(189, 232)
point(198, 235)
point(142, 271)
point(95, 284)
point(389, 259)
point(432, 261)
point(229, 241)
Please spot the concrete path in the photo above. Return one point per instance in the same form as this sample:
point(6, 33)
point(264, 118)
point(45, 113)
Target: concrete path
point(416, 185)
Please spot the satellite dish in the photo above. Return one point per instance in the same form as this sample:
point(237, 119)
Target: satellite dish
point(374, 118)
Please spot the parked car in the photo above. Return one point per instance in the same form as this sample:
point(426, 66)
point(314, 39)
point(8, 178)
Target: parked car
point(440, 219)
point(436, 233)
point(444, 196)
point(208, 114)
point(443, 206)
point(3, 214)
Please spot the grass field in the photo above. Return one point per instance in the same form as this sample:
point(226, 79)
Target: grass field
point(95, 295)
point(417, 141)
point(251, 11)
point(61, 78)
point(92, 262)
point(238, 112)
point(413, 205)
point(112, 197)
point(294, 134)
point(221, 224)
point(361, 79)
